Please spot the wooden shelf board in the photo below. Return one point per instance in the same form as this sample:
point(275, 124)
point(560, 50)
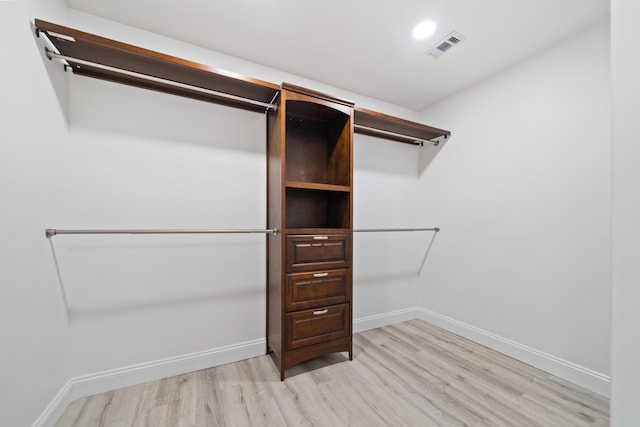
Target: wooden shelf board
point(317, 230)
point(317, 186)
point(93, 48)
point(384, 122)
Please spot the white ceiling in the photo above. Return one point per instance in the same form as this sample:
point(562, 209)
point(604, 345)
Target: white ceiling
point(364, 46)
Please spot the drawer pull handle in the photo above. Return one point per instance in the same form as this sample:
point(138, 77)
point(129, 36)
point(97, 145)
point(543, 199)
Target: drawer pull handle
point(320, 274)
point(320, 237)
point(319, 312)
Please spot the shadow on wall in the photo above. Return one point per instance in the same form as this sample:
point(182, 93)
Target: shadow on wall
point(384, 155)
point(56, 72)
point(152, 302)
point(122, 109)
point(118, 108)
point(402, 254)
point(426, 253)
point(103, 280)
point(428, 153)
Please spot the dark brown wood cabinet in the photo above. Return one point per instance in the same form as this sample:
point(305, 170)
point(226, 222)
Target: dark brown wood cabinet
point(310, 198)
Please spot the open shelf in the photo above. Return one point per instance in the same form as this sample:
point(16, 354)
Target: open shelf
point(318, 146)
point(317, 209)
point(317, 186)
point(121, 56)
point(99, 57)
point(316, 230)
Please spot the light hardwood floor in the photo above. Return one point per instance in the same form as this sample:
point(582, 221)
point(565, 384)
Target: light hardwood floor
point(408, 374)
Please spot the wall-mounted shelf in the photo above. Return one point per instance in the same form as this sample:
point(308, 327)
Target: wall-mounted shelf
point(128, 64)
point(370, 122)
point(99, 57)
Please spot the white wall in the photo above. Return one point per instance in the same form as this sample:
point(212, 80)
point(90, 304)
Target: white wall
point(33, 325)
point(385, 265)
point(140, 159)
point(522, 193)
point(84, 153)
point(626, 211)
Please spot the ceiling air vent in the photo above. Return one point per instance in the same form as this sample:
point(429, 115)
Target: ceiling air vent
point(452, 39)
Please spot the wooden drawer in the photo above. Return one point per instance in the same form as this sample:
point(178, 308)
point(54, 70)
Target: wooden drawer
point(317, 325)
point(318, 252)
point(306, 290)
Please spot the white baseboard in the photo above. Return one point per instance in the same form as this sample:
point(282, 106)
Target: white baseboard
point(55, 408)
point(584, 377)
point(385, 319)
point(101, 382)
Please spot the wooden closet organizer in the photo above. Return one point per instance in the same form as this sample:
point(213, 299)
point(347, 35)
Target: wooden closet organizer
point(309, 179)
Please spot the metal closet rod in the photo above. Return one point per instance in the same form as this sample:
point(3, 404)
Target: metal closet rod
point(409, 139)
point(377, 230)
point(50, 232)
point(51, 55)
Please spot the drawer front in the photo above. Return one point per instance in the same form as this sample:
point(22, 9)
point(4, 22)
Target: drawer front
point(306, 290)
point(317, 325)
point(318, 252)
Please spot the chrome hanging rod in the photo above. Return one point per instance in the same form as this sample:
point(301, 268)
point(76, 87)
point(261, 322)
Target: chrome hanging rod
point(50, 232)
point(54, 55)
point(409, 139)
point(378, 230)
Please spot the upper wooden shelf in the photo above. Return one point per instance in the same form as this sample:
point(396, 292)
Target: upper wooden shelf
point(112, 54)
point(99, 57)
point(384, 126)
point(317, 186)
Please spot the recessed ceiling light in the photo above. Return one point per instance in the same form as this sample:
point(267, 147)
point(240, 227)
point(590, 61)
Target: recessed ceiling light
point(424, 29)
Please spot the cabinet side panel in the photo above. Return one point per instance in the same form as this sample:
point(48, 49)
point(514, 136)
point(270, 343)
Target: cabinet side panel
point(275, 246)
point(349, 128)
point(340, 157)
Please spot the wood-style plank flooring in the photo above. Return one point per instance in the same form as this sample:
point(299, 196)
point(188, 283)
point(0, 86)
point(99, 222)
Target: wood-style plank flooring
point(407, 374)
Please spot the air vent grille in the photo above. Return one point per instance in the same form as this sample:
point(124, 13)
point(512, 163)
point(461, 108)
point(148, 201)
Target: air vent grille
point(451, 40)
point(442, 47)
point(454, 40)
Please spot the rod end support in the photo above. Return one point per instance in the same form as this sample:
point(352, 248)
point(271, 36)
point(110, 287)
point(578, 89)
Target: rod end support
point(50, 232)
point(436, 229)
